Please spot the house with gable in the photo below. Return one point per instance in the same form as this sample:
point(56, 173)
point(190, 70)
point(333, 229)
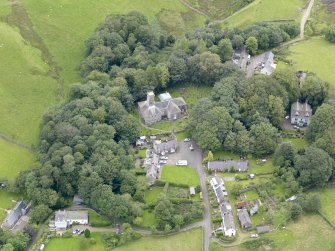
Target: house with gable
point(167, 108)
point(301, 113)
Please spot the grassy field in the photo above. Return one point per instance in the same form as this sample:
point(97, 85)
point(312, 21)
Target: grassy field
point(13, 159)
point(4, 8)
point(180, 175)
point(6, 202)
point(190, 93)
point(64, 26)
point(186, 241)
point(25, 89)
point(149, 219)
point(309, 233)
point(75, 244)
point(266, 10)
point(315, 55)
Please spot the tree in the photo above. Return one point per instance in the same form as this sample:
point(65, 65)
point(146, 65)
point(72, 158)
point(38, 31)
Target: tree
point(330, 34)
point(323, 119)
point(251, 45)
point(87, 233)
point(284, 155)
point(40, 213)
point(314, 91)
point(295, 211)
point(263, 138)
point(225, 49)
point(314, 167)
point(287, 78)
point(310, 203)
point(326, 141)
point(237, 41)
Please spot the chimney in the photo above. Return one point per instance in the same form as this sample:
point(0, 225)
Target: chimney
point(151, 98)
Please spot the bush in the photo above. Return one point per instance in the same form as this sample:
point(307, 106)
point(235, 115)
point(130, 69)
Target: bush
point(87, 233)
point(330, 34)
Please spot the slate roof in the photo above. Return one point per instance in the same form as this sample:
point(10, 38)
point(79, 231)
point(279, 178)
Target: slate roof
point(165, 146)
point(254, 209)
point(239, 166)
point(263, 229)
point(269, 66)
point(301, 109)
point(227, 215)
point(19, 210)
point(77, 215)
point(164, 96)
point(244, 218)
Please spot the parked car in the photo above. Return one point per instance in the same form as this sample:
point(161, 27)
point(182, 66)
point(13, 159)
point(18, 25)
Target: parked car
point(191, 147)
point(164, 157)
point(187, 140)
point(254, 236)
point(181, 163)
point(287, 117)
point(162, 162)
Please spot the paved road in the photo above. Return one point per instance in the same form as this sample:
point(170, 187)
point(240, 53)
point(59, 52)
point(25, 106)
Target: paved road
point(197, 163)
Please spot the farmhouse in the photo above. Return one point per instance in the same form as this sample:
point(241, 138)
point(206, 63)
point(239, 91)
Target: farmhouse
point(226, 166)
point(167, 109)
point(254, 209)
point(268, 65)
point(20, 209)
point(228, 225)
point(301, 113)
point(169, 146)
point(64, 219)
point(244, 218)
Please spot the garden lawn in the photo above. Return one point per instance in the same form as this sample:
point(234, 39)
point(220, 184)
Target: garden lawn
point(297, 143)
point(182, 135)
point(327, 202)
point(191, 93)
point(26, 90)
point(315, 55)
point(97, 220)
point(142, 153)
point(266, 10)
point(65, 25)
point(149, 219)
point(13, 159)
point(180, 175)
point(151, 196)
point(75, 244)
point(186, 241)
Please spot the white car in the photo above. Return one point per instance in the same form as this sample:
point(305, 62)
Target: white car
point(164, 157)
point(162, 162)
point(254, 236)
point(187, 140)
point(191, 148)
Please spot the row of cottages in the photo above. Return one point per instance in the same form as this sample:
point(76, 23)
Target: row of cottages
point(20, 209)
point(167, 108)
point(227, 226)
point(165, 147)
point(227, 165)
point(65, 219)
point(151, 167)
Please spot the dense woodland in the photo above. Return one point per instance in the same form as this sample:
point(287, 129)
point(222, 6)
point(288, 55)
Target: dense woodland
point(86, 144)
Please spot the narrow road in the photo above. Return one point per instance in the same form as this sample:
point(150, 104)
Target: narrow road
point(197, 162)
point(305, 18)
point(188, 5)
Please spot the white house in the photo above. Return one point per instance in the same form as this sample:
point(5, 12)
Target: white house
point(64, 219)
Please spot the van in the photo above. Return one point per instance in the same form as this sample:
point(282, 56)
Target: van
point(181, 163)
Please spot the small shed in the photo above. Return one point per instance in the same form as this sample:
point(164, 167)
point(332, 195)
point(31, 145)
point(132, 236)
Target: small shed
point(241, 204)
point(192, 191)
point(263, 229)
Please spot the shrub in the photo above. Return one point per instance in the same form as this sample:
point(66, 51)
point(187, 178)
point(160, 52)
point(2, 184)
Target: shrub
point(87, 233)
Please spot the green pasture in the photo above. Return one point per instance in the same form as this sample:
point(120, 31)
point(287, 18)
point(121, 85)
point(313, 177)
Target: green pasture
point(75, 244)
point(65, 25)
point(266, 10)
point(26, 90)
point(315, 55)
point(13, 159)
point(296, 142)
point(186, 241)
point(191, 93)
point(180, 175)
point(327, 195)
point(4, 7)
